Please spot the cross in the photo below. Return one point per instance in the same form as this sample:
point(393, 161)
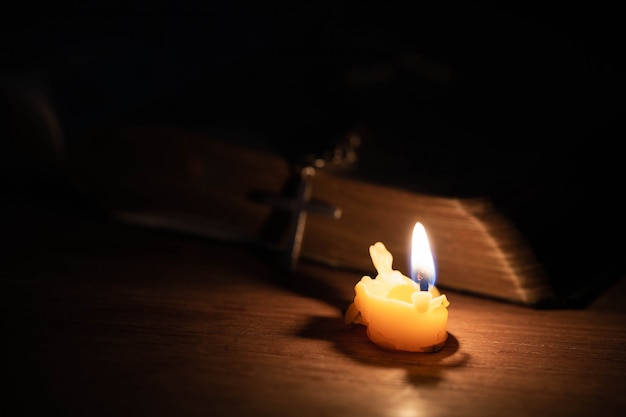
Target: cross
point(299, 206)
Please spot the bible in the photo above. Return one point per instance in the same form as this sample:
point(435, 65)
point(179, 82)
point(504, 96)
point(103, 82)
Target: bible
point(185, 181)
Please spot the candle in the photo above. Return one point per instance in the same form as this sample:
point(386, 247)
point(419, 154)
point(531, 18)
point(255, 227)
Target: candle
point(402, 313)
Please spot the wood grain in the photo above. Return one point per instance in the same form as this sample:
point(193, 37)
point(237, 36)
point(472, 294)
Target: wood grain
point(100, 319)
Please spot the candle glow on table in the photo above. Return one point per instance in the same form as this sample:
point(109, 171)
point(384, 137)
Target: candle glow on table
point(400, 313)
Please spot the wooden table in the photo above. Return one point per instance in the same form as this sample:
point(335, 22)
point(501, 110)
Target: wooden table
point(102, 319)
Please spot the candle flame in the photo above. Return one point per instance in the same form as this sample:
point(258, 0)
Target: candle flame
point(422, 261)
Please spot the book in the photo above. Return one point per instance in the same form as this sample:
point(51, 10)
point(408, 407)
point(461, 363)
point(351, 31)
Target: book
point(184, 181)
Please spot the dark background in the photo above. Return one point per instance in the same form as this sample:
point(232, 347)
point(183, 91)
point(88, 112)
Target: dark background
point(457, 89)
point(517, 101)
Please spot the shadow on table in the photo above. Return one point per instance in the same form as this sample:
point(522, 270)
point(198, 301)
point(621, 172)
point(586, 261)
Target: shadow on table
point(351, 340)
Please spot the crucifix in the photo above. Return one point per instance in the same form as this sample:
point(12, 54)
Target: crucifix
point(299, 206)
point(296, 200)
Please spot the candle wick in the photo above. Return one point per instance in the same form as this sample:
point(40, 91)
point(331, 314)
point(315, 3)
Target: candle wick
point(422, 281)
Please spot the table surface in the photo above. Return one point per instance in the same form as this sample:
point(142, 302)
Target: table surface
point(103, 319)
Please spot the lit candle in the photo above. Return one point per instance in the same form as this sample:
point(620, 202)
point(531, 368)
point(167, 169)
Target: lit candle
point(402, 313)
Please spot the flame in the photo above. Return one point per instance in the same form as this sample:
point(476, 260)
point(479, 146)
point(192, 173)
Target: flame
point(422, 261)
